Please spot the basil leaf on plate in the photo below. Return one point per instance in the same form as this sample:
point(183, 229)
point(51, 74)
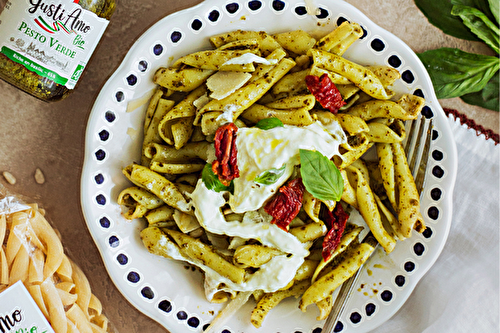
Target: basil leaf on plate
point(211, 180)
point(269, 123)
point(320, 176)
point(454, 72)
point(439, 14)
point(270, 176)
point(479, 24)
point(487, 98)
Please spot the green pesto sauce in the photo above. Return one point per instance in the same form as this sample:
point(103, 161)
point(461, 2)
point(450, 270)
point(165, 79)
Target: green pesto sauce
point(39, 86)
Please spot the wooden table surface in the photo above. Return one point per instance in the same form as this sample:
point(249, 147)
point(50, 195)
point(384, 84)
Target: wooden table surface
point(50, 136)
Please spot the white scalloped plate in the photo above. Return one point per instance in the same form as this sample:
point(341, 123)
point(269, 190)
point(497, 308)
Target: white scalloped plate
point(166, 290)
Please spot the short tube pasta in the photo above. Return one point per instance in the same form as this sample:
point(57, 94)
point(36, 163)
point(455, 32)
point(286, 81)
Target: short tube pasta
point(242, 104)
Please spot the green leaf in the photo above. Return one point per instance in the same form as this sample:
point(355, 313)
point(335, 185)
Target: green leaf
point(320, 176)
point(270, 176)
point(488, 97)
point(211, 180)
point(479, 24)
point(438, 12)
point(269, 123)
point(495, 9)
point(454, 72)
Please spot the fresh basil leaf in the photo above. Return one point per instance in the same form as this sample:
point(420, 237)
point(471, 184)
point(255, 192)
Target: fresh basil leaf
point(488, 97)
point(269, 123)
point(270, 176)
point(479, 24)
point(495, 9)
point(439, 14)
point(481, 5)
point(454, 72)
point(320, 176)
point(211, 180)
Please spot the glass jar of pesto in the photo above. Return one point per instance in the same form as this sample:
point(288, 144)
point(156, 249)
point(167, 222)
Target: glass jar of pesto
point(46, 44)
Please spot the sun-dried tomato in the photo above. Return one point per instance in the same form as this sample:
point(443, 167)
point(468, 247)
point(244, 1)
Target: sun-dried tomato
point(335, 222)
point(286, 204)
point(325, 92)
point(226, 166)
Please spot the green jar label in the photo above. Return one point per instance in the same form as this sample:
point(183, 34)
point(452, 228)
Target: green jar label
point(53, 39)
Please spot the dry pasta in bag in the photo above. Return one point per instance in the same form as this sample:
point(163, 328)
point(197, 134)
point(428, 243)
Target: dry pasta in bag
point(35, 270)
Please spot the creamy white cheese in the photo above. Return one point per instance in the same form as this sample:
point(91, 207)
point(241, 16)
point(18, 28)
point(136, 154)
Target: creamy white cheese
point(258, 151)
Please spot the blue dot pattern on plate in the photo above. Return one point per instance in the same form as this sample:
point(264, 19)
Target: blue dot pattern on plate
point(254, 4)
point(110, 116)
point(165, 306)
point(338, 327)
point(355, 317)
point(131, 80)
point(158, 49)
point(114, 241)
point(120, 96)
point(122, 259)
point(436, 194)
point(182, 315)
point(133, 277)
point(377, 45)
point(301, 10)
point(278, 5)
point(104, 222)
point(394, 61)
point(323, 13)
point(408, 77)
point(409, 266)
point(176, 36)
point(196, 25)
point(370, 309)
point(193, 322)
point(419, 93)
point(232, 8)
point(427, 112)
point(99, 179)
point(142, 66)
point(104, 135)
point(100, 155)
point(146, 292)
point(400, 280)
point(437, 171)
point(419, 249)
point(100, 199)
point(386, 295)
point(437, 155)
point(427, 232)
point(433, 212)
point(214, 15)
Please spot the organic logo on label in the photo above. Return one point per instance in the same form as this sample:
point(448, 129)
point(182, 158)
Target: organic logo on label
point(77, 73)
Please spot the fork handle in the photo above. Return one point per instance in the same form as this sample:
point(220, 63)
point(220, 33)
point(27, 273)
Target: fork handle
point(345, 292)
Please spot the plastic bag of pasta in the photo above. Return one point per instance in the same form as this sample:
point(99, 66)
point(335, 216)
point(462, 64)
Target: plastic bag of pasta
point(41, 289)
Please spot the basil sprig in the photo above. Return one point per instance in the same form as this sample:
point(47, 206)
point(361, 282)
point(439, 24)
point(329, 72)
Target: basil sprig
point(212, 181)
point(270, 176)
point(269, 123)
point(320, 176)
point(455, 73)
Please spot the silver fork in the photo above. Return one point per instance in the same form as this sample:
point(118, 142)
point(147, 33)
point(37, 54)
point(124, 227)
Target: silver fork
point(417, 156)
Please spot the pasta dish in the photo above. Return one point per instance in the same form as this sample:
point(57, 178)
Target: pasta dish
point(253, 166)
